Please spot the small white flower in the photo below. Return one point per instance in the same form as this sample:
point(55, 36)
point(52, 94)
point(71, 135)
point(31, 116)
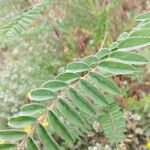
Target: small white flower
point(139, 131)
point(136, 117)
point(96, 126)
point(90, 134)
point(107, 147)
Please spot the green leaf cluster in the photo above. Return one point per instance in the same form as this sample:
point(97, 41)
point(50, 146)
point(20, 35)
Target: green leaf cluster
point(20, 24)
point(74, 99)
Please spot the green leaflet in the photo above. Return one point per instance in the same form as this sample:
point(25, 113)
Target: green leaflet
point(104, 83)
point(92, 92)
point(140, 33)
point(114, 46)
point(128, 58)
point(31, 144)
point(68, 77)
point(113, 124)
point(19, 25)
point(80, 101)
point(32, 109)
point(70, 113)
point(102, 53)
point(144, 16)
point(90, 60)
point(41, 94)
point(46, 139)
point(116, 68)
point(132, 43)
point(122, 36)
point(7, 147)
point(77, 67)
point(144, 26)
point(21, 121)
point(11, 135)
point(55, 85)
point(60, 128)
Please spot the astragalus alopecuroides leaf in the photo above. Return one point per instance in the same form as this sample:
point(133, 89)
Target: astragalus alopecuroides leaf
point(79, 96)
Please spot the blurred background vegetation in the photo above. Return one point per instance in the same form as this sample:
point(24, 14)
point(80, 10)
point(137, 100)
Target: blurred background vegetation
point(65, 31)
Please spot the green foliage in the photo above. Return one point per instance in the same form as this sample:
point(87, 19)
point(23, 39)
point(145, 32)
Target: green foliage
point(70, 113)
point(7, 147)
point(41, 94)
point(79, 100)
point(128, 58)
point(55, 85)
point(134, 42)
point(67, 77)
point(112, 123)
point(47, 140)
point(144, 16)
point(48, 42)
point(21, 72)
point(66, 109)
point(12, 135)
point(77, 67)
point(20, 121)
point(31, 144)
point(32, 109)
point(60, 128)
point(93, 93)
point(142, 106)
point(104, 83)
point(85, 18)
point(11, 7)
point(18, 25)
point(116, 68)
